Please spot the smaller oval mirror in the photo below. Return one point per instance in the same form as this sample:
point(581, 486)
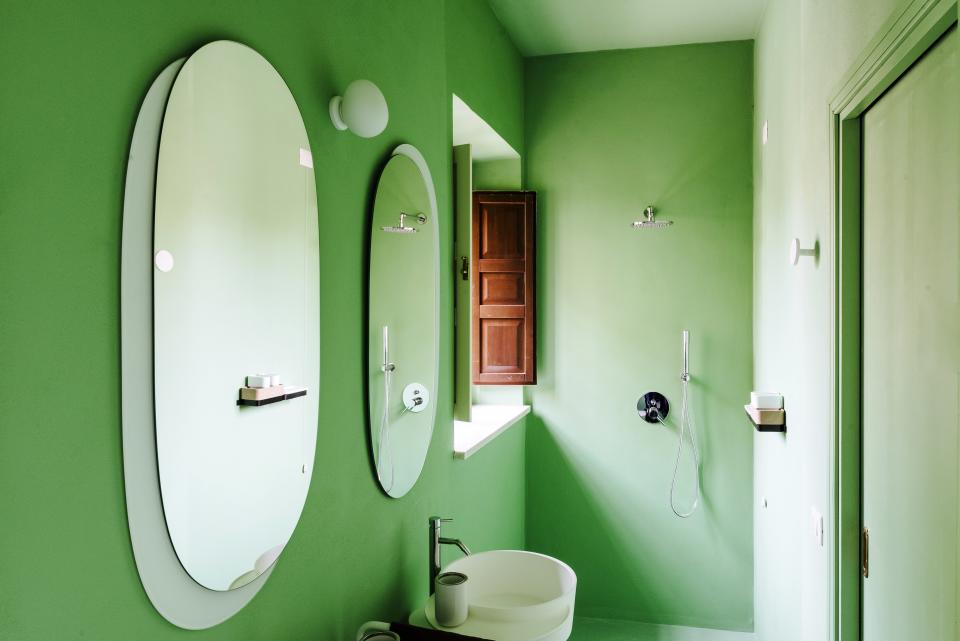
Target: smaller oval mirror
point(402, 338)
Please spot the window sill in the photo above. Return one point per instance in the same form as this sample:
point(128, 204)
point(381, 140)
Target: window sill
point(489, 422)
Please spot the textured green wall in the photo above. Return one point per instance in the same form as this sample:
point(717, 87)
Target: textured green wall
point(803, 50)
point(606, 134)
point(482, 67)
point(73, 76)
point(498, 174)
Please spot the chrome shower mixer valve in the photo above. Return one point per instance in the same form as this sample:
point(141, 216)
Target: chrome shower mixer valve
point(653, 407)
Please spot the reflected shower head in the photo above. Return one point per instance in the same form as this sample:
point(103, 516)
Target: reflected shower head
point(402, 227)
point(649, 221)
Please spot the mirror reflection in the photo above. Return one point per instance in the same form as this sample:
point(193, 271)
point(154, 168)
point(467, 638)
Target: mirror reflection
point(403, 323)
point(235, 315)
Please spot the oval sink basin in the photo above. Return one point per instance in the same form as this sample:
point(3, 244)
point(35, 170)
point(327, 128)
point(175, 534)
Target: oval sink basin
point(515, 596)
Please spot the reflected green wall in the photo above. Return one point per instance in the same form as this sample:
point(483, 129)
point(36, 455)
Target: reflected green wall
point(73, 76)
point(606, 134)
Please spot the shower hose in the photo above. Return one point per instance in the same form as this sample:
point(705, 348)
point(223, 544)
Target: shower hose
point(687, 432)
point(385, 431)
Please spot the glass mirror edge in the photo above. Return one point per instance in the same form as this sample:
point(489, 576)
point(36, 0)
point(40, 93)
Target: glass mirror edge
point(174, 594)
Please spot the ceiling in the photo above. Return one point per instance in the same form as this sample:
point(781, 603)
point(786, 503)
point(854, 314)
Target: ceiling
point(542, 27)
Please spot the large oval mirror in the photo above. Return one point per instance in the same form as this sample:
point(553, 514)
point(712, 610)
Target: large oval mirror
point(235, 305)
point(402, 339)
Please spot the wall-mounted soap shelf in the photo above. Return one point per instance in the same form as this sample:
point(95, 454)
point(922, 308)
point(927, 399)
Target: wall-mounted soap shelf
point(272, 399)
point(764, 426)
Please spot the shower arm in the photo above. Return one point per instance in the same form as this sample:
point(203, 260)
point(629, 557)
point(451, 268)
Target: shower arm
point(420, 218)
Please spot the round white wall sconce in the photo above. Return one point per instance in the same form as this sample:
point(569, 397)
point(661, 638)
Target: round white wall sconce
point(796, 251)
point(362, 109)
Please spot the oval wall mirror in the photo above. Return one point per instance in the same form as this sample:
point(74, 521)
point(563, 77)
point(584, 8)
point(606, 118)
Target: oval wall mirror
point(403, 342)
point(229, 249)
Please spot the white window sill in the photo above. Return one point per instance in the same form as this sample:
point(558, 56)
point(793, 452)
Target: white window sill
point(489, 422)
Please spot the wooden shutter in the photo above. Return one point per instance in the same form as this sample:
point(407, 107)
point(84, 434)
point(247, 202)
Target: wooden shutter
point(503, 288)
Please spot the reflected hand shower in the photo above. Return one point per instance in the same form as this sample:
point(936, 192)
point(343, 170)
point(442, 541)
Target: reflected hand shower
point(387, 368)
point(687, 426)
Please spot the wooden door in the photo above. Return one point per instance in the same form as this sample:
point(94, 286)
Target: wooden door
point(911, 353)
point(503, 288)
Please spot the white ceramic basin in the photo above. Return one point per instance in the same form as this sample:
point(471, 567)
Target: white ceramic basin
point(515, 596)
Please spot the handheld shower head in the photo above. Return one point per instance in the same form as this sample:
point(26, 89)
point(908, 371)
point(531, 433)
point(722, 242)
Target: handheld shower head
point(649, 220)
point(402, 227)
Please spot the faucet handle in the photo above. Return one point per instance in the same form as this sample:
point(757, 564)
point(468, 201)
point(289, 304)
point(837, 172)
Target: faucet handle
point(436, 521)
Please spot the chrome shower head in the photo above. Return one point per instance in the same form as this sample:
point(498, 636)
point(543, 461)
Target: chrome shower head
point(402, 227)
point(649, 220)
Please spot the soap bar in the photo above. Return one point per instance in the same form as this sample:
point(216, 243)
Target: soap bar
point(260, 380)
point(765, 416)
point(766, 400)
point(261, 393)
point(413, 633)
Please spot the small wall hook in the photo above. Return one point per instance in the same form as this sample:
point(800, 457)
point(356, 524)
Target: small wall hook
point(796, 251)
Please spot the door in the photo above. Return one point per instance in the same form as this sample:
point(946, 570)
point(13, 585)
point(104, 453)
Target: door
point(504, 234)
point(911, 353)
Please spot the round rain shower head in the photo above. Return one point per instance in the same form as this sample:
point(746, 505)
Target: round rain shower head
point(649, 220)
point(652, 224)
point(402, 227)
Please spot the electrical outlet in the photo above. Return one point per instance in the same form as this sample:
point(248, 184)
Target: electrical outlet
point(817, 520)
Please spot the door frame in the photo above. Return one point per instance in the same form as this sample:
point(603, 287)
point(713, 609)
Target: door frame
point(903, 39)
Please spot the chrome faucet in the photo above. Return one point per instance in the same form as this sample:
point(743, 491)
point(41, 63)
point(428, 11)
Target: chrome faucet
point(436, 541)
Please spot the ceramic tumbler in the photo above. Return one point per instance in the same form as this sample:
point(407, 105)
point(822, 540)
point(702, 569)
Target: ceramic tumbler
point(451, 599)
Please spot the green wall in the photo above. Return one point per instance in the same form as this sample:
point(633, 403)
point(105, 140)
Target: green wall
point(606, 134)
point(482, 68)
point(803, 50)
point(73, 76)
point(497, 174)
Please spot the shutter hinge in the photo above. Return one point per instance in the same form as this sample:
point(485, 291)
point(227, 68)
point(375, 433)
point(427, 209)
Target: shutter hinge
point(465, 268)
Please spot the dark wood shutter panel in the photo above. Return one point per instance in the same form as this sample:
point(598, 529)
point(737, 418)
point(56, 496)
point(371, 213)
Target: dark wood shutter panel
point(503, 288)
